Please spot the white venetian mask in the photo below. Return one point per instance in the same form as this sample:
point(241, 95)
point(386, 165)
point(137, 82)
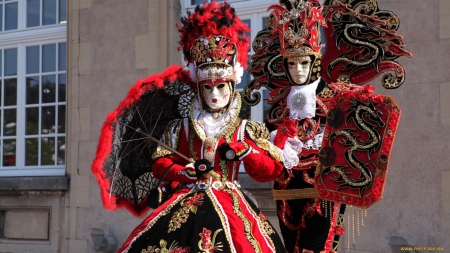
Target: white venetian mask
point(299, 68)
point(216, 94)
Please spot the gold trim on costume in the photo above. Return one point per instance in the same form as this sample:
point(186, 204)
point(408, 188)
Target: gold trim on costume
point(260, 135)
point(223, 220)
point(291, 194)
point(247, 225)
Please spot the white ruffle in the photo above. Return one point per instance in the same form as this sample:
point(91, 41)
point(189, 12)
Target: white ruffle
point(301, 101)
point(289, 153)
point(239, 72)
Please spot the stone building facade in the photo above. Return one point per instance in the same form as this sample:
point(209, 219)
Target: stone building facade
point(111, 44)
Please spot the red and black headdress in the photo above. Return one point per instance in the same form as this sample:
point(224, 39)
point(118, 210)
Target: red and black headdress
point(214, 43)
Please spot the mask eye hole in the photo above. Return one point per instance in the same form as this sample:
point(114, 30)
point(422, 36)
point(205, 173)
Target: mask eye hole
point(291, 64)
point(206, 86)
point(221, 86)
point(305, 63)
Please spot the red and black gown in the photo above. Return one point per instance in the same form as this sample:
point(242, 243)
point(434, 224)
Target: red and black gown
point(210, 215)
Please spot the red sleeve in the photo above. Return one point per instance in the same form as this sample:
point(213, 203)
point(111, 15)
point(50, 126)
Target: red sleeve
point(260, 166)
point(174, 174)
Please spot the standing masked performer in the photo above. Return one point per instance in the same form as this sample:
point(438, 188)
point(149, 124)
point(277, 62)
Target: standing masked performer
point(199, 152)
point(290, 63)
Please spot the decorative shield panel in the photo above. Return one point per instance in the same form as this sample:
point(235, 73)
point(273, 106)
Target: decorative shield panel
point(356, 148)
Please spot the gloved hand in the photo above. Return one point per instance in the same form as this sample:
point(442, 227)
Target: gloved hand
point(202, 166)
point(287, 129)
point(234, 151)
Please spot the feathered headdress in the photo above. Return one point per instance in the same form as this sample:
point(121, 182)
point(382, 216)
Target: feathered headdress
point(214, 43)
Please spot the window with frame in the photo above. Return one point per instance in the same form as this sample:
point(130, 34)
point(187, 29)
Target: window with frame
point(33, 90)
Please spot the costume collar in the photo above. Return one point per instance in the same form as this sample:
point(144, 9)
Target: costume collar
point(301, 101)
point(207, 124)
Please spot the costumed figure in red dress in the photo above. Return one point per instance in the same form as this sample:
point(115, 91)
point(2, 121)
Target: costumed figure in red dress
point(199, 152)
point(346, 131)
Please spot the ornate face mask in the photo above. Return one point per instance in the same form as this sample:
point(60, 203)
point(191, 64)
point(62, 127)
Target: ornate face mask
point(216, 94)
point(299, 68)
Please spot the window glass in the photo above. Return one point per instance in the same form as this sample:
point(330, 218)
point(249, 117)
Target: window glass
point(62, 88)
point(61, 119)
point(48, 120)
point(49, 58)
point(61, 151)
point(32, 90)
point(62, 11)
point(1, 17)
point(10, 62)
point(31, 151)
point(62, 56)
point(10, 92)
point(49, 12)
point(33, 13)
point(11, 16)
point(9, 122)
point(9, 152)
point(32, 59)
point(49, 89)
point(32, 118)
point(48, 151)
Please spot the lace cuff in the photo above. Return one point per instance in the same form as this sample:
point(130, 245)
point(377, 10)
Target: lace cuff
point(289, 153)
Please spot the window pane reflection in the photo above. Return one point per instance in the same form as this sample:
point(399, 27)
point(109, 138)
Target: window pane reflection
point(33, 13)
point(9, 122)
point(49, 12)
point(32, 116)
point(32, 152)
point(10, 92)
point(1, 17)
point(62, 11)
point(11, 62)
point(49, 89)
point(61, 119)
point(61, 151)
point(48, 120)
point(48, 151)
point(11, 17)
point(32, 60)
point(9, 152)
point(49, 58)
point(62, 56)
point(62, 88)
point(32, 85)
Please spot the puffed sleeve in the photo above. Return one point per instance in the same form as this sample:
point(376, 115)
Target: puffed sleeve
point(263, 162)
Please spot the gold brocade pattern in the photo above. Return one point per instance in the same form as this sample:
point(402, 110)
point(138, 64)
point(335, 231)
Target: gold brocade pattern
point(291, 194)
point(181, 215)
point(224, 168)
point(260, 135)
point(163, 248)
point(245, 220)
point(191, 147)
